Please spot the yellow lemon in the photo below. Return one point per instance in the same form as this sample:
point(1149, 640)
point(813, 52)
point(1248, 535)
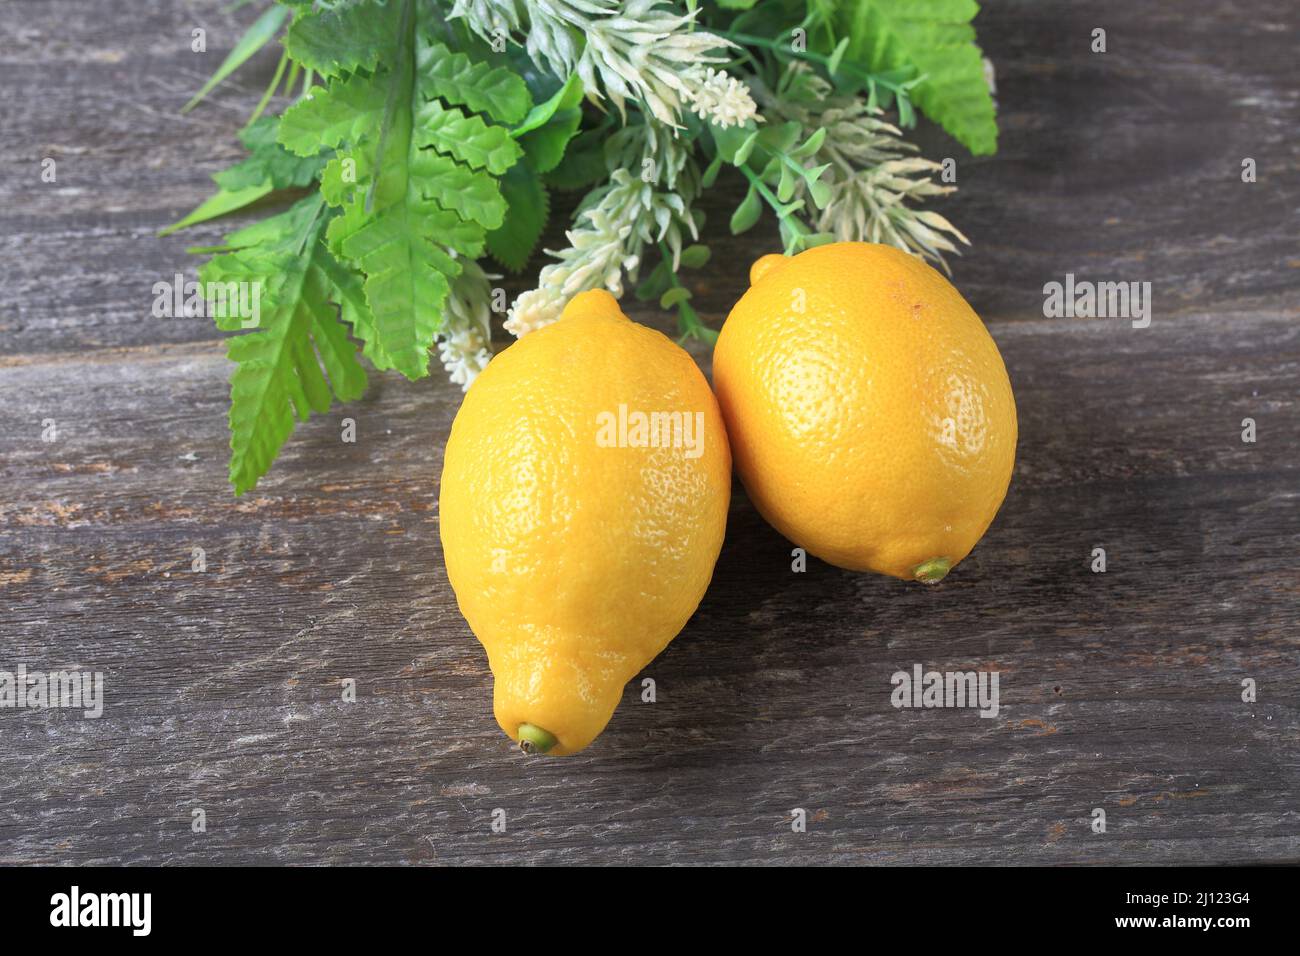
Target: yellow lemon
point(583, 503)
point(868, 409)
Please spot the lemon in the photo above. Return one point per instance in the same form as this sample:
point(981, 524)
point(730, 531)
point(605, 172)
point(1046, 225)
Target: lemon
point(582, 509)
point(869, 411)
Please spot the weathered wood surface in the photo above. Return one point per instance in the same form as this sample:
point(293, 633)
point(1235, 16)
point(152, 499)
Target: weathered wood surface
point(1119, 690)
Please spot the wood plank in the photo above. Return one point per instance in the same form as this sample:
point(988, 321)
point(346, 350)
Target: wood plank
point(1119, 690)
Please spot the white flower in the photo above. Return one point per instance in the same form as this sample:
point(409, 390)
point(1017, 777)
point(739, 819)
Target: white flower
point(722, 100)
point(465, 344)
point(534, 309)
point(464, 354)
point(637, 50)
point(614, 224)
point(870, 176)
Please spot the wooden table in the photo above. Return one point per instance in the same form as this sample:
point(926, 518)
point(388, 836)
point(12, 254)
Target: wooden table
point(1120, 691)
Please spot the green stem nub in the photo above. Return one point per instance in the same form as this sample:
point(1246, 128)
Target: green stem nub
point(932, 571)
point(534, 740)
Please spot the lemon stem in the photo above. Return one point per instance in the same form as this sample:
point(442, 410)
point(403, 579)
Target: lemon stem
point(932, 571)
point(534, 740)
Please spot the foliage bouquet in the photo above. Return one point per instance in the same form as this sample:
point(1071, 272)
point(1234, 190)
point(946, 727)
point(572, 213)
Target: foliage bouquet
point(425, 138)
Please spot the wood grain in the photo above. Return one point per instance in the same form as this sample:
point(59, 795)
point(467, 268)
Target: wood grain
point(1119, 690)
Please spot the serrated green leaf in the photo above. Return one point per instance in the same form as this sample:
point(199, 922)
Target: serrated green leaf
point(278, 365)
point(344, 38)
point(270, 167)
point(350, 293)
point(334, 114)
point(472, 194)
point(746, 213)
point(467, 138)
point(269, 162)
point(528, 206)
point(483, 88)
point(937, 39)
point(407, 211)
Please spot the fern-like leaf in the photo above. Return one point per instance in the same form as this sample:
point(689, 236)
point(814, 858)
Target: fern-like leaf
point(529, 206)
point(456, 78)
point(467, 138)
point(278, 375)
point(414, 177)
point(352, 35)
point(936, 37)
point(332, 115)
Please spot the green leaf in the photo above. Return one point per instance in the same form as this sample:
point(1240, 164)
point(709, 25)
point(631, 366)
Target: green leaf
point(546, 146)
point(906, 115)
point(474, 195)
point(350, 294)
point(352, 35)
point(711, 172)
point(935, 37)
point(820, 192)
point(483, 88)
point(269, 162)
point(837, 55)
point(742, 152)
point(223, 203)
point(467, 138)
point(811, 239)
point(809, 146)
point(583, 164)
point(407, 212)
point(258, 35)
point(340, 112)
point(746, 213)
point(568, 97)
point(278, 366)
point(674, 296)
point(513, 243)
point(656, 283)
point(786, 186)
point(780, 137)
point(695, 257)
point(730, 139)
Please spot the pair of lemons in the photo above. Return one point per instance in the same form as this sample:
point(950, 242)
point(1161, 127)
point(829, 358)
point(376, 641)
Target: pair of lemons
point(587, 478)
